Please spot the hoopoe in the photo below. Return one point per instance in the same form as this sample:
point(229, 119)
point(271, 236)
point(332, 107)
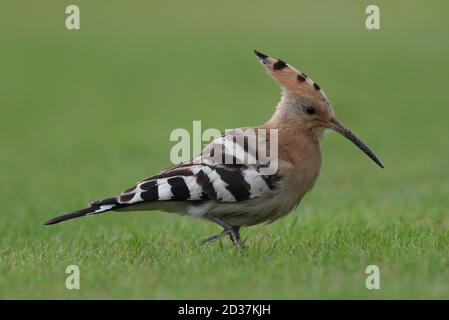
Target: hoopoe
point(240, 193)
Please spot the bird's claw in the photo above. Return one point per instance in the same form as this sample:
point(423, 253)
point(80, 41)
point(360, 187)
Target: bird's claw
point(232, 231)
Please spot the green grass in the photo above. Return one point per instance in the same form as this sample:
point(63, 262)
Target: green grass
point(85, 114)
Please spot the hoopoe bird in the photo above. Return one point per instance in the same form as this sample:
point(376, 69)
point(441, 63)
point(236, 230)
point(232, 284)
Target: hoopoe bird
point(240, 192)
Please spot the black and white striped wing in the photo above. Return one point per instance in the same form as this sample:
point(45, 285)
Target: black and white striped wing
point(198, 182)
point(203, 178)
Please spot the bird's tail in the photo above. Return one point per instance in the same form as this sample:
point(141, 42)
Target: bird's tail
point(93, 208)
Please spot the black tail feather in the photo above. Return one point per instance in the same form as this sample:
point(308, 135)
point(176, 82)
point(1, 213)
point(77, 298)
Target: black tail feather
point(94, 208)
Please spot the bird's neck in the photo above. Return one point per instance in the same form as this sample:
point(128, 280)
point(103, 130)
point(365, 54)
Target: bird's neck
point(296, 144)
point(293, 127)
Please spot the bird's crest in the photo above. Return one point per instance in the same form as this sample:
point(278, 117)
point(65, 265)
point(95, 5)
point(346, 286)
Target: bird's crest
point(292, 81)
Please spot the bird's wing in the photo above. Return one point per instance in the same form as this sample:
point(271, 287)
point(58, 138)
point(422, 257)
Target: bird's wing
point(217, 174)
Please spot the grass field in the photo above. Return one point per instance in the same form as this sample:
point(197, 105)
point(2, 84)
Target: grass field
point(85, 114)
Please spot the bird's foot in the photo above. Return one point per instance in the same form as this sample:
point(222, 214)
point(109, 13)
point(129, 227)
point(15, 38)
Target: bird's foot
point(216, 237)
point(232, 231)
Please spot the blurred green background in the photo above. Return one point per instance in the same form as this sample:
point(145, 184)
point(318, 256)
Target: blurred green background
point(86, 113)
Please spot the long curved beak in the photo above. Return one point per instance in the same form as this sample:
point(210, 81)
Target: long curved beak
point(337, 126)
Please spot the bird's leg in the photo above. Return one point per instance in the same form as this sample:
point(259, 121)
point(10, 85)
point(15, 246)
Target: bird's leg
point(235, 237)
point(227, 229)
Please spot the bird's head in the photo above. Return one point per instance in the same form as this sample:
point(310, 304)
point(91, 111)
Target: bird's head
point(304, 104)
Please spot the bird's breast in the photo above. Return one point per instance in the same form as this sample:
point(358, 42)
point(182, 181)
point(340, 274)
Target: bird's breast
point(299, 171)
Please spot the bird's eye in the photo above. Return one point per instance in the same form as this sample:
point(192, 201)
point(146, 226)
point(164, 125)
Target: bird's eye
point(310, 110)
